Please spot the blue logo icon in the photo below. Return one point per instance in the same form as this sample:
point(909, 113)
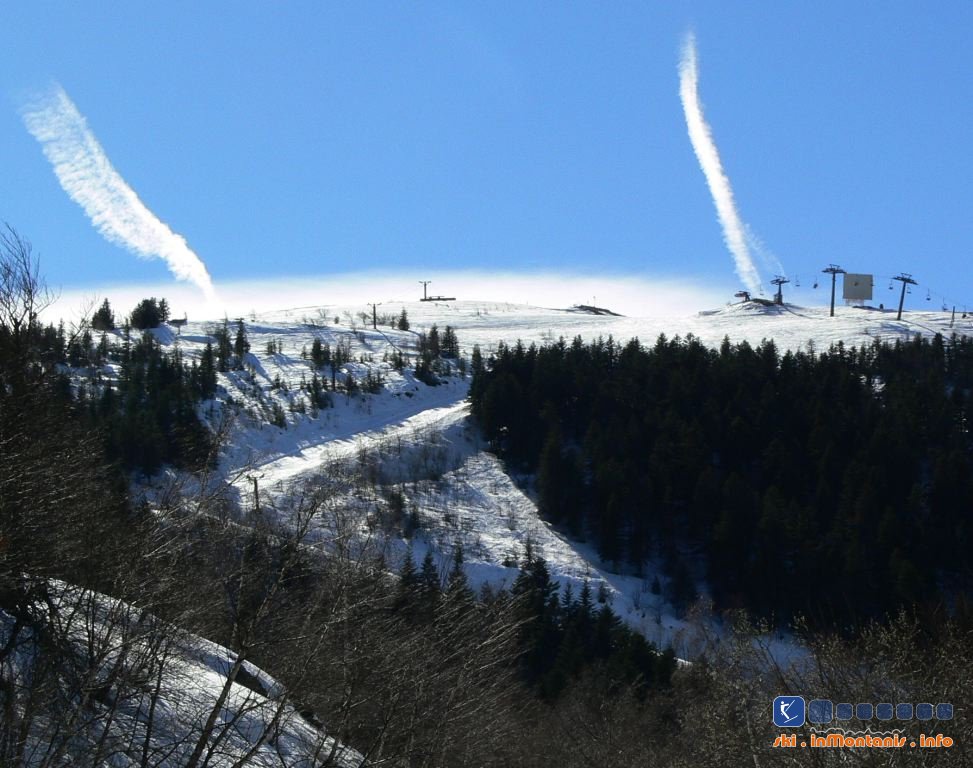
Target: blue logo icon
point(794, 711)
point(789, 711)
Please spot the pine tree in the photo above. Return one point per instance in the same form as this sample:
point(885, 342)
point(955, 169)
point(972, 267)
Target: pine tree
point(224, 348)
point(552, 479)
point(449, 344)
point(320, 353)
point(319, 396)
point(539, 611)
point(457, 586)
point(403, 320)
point(408, 588)
point(146, 314)
point(103, 347)
point(207, 373)
point(429, 578)
point(241, 345)
point(103, 319)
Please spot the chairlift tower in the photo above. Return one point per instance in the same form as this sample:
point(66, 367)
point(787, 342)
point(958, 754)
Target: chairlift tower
point(834, 270)
point(779, 282)
point(906, 280)
point(424, 284)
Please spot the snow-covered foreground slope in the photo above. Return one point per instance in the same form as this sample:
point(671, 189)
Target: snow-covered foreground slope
point(94, 677)
point(425, 462)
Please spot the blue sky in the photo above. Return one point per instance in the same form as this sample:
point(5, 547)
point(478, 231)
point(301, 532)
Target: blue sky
point(314, 139)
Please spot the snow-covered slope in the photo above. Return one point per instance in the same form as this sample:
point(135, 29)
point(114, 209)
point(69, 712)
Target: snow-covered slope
point(418, 441)
point(96, 677)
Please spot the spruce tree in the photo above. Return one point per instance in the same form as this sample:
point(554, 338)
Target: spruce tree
point(224, 348)
point(429, 577)
point(457, 586)
point(207, 372)
point(241, 345)
point(449, 345)
point(320, 353)
point(409, 583)
point(103, 319)
point(146, 314)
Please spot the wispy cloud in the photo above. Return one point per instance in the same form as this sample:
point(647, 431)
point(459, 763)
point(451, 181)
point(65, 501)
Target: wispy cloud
point(87, 175)
point(735, 232)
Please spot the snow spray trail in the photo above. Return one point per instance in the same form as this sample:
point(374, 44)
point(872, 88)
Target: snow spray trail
point(734, 230)
point(87, 175)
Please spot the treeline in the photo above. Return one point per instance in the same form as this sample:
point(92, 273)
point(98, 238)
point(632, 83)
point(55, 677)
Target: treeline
point(835, 485)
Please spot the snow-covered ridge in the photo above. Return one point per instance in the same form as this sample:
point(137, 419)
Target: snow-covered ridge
point(418, 442)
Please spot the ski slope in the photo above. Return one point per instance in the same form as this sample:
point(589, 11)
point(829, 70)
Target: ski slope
point(419, 442)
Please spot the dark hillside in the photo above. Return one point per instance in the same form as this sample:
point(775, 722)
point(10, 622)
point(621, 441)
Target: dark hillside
point(834, 485)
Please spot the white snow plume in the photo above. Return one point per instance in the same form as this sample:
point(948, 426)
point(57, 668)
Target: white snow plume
point(734, 230)
point(634, 295)
point(86, 174)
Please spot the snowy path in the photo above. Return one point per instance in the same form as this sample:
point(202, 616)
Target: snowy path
point(306, 460)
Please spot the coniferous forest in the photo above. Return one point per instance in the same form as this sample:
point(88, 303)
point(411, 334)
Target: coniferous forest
point(833, 485)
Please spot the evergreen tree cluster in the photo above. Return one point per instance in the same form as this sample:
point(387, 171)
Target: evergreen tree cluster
point(846, 475)
point(149, 415)
point(561, 637)
point(434, 350)
point(434, 353)
point(148, 313)
point(322, 355)
point(230, 349)
point(318, 393)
